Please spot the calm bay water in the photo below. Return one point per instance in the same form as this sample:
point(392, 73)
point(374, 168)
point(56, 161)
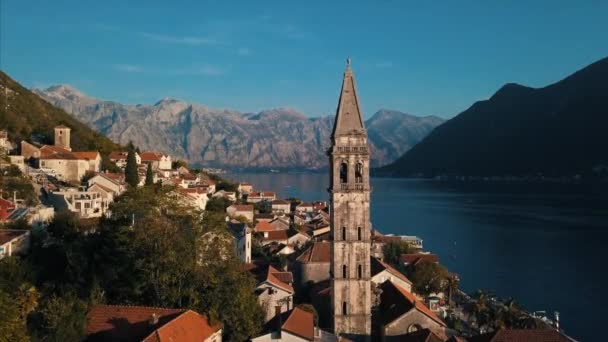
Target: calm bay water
point(542, 244)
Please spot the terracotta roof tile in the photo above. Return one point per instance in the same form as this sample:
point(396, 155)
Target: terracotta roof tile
point(8, 235)
point(118, 155)
point(150, 156)
point(396, 301)
point(89, 155)
point(283, 202)
point(275, 235)
point(413, 259)
point(300, 323)
point(190, 326)
point(317, 252)
point(264, 226)
point(379, 266)
point(125, 323)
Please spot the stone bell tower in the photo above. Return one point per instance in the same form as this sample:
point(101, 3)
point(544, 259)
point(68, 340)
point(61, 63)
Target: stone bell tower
point(350, 220)
point(62, 137)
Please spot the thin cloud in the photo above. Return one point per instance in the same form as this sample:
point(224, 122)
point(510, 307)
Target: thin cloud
point(385, 64)
point(129, 68)
point(187, 40)
point(243, 51)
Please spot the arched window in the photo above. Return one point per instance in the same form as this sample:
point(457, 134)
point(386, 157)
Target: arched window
point(343, 271)
point(359, 172)
point(360, 271)
point(343, 172)
point(344, 308)
point(344, 233)
point(359, 233)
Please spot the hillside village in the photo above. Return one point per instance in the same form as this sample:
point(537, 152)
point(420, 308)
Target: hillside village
point(284, 244)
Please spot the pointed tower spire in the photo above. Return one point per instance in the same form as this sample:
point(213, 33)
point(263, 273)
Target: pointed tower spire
point(349, 119)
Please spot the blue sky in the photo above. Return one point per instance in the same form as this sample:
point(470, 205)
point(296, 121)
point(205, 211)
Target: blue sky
point(421, 57)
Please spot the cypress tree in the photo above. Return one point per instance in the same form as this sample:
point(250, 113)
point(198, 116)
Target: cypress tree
point(149, 175)
point(131, 175)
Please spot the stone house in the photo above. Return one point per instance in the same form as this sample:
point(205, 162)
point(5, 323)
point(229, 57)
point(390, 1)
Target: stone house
point(381, 272)
point(281, 206)
point(280, 223)
point(245, 210)
point(242, 239)
point(13, 241)
point(158, 160)
point(93, 158)
point(245, 188)
point(402, 313)
point(65, 165)
point(255, 197)
point(313, 264)
point(112, 182)
point(141, 323)
point(120, 158)
point(85, 204)
point(305, 207)
point(295, 325)
point(106, 194)
point(274, 290)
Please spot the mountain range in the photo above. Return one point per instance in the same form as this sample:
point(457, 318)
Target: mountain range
point(275, 138)
point(557, 130)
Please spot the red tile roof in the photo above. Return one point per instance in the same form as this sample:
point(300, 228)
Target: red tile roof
point(262, 194)
point(150, 156)
point(125, 323)
point(413, 259)
point(276, 235)
point(522, 335)
point(190, 326)
point(396, 301)
point(270, 274)
point(87, 155)
point(118, 155)
point(379, 266)
point(8, 235)
point(278, 202)
point(264, 226)
point(317, 252)
point(300, 323)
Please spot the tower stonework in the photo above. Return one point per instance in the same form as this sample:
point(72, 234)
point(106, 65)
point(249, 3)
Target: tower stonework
point(350, 219)
point(62, 137)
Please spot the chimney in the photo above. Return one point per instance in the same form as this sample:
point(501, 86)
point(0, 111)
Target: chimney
point(556, 313)
point(153, 319)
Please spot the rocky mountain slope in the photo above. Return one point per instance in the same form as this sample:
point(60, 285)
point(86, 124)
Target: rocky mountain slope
point(26, 116)
point(276, 138)
point(558, 130)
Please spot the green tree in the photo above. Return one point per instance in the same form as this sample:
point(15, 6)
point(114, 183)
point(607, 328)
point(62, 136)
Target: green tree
point(131, 175)
point(393, 249)
point(60, 318)
point(428, 277)
point(218, 204)
point(149, 175)
point(12, 325)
